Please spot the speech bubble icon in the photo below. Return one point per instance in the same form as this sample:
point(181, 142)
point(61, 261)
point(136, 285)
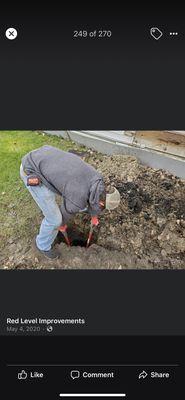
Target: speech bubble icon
point(75, 374)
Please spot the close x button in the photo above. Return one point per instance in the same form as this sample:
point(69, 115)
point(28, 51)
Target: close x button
point(11, 33)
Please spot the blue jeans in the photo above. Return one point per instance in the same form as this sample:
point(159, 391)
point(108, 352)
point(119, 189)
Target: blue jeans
point(46, 201)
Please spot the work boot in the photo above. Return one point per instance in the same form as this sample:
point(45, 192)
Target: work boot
point(52, 254)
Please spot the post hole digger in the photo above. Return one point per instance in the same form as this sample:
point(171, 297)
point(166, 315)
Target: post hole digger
point(112, 201)
point(63, 229)
point(94, 223)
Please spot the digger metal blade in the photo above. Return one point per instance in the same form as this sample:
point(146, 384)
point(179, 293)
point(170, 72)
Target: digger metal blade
point(90, 236)
point(66, 238)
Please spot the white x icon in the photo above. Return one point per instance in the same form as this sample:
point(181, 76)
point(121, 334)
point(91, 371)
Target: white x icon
point(11, 33)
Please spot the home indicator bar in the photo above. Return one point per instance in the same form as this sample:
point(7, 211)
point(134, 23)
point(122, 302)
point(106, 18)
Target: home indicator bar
point(92, 395)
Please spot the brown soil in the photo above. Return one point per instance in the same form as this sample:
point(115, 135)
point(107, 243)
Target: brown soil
point(147, 230)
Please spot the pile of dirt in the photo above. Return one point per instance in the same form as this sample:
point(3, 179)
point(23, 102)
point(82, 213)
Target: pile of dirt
point(149, 224)
point(147, 230)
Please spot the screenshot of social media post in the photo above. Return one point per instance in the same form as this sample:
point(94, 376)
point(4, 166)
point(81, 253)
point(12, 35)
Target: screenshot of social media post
point(92, 199)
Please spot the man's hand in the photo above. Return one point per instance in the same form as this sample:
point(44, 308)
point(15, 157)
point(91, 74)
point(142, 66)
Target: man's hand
point(94, 221)
point(63, 228)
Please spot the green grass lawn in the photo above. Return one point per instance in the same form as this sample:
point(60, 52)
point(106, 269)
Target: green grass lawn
point(19, 214)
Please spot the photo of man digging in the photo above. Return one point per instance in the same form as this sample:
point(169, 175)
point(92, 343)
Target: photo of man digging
point(115, 211)
point(49, 171)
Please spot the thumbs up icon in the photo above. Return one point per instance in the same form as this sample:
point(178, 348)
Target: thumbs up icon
point(22, 375)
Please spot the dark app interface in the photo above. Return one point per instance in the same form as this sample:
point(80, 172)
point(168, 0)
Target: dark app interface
point(92, 189)
point(106, 367)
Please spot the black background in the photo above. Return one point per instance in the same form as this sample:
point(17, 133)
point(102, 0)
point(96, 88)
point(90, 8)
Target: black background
point(92, 350)
point(112, 302)
point(50, 80)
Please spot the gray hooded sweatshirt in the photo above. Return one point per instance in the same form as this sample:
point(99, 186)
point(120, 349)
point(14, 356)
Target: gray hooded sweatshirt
point(79, 184)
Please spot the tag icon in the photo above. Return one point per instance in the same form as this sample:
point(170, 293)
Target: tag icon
point(156, 33)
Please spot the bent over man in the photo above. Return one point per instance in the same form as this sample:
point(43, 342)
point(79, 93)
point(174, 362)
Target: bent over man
point(48, 171)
